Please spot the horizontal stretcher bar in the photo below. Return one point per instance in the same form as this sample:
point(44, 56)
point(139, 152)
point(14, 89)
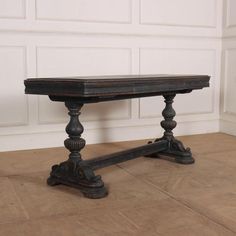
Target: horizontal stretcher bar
point(129, 154)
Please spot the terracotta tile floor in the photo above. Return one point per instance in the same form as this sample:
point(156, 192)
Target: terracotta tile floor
point(147, 196)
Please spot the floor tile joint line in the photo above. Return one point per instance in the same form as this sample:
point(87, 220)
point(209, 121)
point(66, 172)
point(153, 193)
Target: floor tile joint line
point(180, 202)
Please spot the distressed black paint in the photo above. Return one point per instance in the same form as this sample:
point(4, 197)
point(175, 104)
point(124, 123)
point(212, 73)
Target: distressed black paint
point(77, 91)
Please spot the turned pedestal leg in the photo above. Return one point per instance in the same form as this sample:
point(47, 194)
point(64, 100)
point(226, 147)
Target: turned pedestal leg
point(75, 172)
point(175, 148)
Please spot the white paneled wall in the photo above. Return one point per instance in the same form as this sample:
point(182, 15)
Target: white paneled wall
point(174, 61)
point(84, 10)
point(87, 60)
point(228, 84)
point(230, 16)
point(12, 9)
point(14, 106)
point(193, 13)
point(43, 38)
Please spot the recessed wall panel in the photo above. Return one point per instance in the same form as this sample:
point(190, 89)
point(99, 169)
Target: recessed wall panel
point(85, 10)
point(196, 13)
point(179, 61)
point(12, 8)
point(13, 101)
point(59, 62)
point(230, 13)
point(230, 82)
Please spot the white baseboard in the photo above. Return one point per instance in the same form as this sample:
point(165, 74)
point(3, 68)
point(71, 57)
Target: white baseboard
point(110, 134)
point(228, 127)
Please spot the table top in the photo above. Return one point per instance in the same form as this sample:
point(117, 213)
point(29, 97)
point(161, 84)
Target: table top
point(115, 86)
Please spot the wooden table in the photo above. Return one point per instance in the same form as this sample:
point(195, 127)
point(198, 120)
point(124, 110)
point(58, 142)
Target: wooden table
point(76, 91)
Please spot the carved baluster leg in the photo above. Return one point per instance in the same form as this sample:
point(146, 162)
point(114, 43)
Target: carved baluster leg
point(175, 147)
point(74, 172)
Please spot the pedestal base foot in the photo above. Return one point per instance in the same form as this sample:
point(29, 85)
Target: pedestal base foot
point(80, 176)
point(185, 160)
point(176, 150)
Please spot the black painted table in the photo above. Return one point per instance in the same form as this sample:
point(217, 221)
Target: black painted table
point(77, 91)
